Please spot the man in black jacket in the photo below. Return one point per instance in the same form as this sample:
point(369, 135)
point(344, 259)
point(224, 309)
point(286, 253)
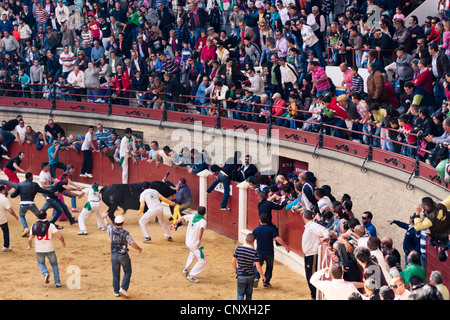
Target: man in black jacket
point(274, 83)
point(6, 129)
point(27, 191)
point(265, 207)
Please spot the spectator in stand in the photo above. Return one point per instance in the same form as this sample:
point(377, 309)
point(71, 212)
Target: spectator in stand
point(411, 241)
point(398, 285)
point(436, 279)
point(425, 78)
point(312, 236)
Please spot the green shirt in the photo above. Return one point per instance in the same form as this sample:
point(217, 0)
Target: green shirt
point(413, 269)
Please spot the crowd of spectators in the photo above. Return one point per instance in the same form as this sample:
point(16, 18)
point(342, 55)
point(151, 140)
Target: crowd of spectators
point(249, 56)
point(252, 57)
point(368, 262)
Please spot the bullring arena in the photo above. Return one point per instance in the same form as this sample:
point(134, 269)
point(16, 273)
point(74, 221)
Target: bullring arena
point(156, 270)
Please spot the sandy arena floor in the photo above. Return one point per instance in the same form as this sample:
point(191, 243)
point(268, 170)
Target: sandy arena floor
point(156, 271)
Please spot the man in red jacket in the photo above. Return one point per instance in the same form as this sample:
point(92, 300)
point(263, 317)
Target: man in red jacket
point(425, 77)
point(122, 85)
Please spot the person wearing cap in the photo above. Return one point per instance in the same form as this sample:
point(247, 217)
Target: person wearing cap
point(152, 198)
point(92, 206)
point(404, 70)
point(120, 240)
point(126, 147)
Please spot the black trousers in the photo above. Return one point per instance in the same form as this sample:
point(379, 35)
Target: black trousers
point(5, 230)
point(310, 268)
point(86, 166)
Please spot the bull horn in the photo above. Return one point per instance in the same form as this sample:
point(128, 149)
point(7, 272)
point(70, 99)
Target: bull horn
point(167, 174)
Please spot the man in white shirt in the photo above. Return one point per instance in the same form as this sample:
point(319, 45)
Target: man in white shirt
point(398, 285)
point(194, 233)
point(373, 244)
point(21, 129)
point(152, 198)
point(5, 205)
point(310, 40)
point(45, 178)
point(313, 235)
point(42, 232)
point(127, 145)
point(92, 206)
point(257, 83)
point(61, 12)
point(67, 60)
point(336, 288)
point(87, 148)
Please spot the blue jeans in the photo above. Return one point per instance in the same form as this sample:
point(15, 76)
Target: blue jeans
point(23, 209)
point(120, 260)
point(8, 137)
point(318, 51)
point(59, 207)
point(226, 188)
point(40, 256)
point(245, 288)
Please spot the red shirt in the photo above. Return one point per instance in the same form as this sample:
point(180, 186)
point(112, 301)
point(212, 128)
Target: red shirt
point(95, 29)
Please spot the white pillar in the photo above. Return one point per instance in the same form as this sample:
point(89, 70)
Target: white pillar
point(242, 219)
point(202, 187)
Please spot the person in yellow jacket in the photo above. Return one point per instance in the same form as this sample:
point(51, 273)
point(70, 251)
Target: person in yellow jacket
point(434, 216)
point(152, 198)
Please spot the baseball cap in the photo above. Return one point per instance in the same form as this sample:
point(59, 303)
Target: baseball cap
point(119, 219)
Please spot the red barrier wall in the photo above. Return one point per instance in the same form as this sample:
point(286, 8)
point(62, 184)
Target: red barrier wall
point(223, 222)
point(101, 169)
point(290, 225)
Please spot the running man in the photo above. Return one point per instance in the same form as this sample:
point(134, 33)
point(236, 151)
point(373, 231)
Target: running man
point(42, 232)
point(92, 206)
point(194, 234)
point(152, 198)
point(12, 166)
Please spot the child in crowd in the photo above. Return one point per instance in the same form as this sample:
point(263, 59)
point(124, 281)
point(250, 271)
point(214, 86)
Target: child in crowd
point(405, 128)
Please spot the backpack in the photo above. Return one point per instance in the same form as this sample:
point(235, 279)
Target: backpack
point(40, 228)
point(439, 153)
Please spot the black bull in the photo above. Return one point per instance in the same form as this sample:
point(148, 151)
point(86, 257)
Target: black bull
point(126, 196)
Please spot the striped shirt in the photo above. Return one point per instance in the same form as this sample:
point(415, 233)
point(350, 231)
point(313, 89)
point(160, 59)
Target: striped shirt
point(67, 58)
point(358, 84)
point(41, 15)
point(104, 137)
point(171, 65)
point(246, 257)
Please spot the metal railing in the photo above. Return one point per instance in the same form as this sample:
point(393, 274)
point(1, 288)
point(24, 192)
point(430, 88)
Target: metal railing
point(243, 118)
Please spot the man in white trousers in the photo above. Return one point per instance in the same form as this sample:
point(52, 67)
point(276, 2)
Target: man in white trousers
point(92, 206)
point(127, 145)
point(152, 198)
point(194, 233)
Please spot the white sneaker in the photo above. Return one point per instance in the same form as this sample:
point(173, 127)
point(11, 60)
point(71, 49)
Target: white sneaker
point(88, 175)
point(82, 232)
point(101, 228)
point(6, 249)
point(124, 292)
point(6, 157)
point(82, 175)
point(47, 278)
point(147, 239)
point(192, 279)
point(186, 271)
point(4, 148)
